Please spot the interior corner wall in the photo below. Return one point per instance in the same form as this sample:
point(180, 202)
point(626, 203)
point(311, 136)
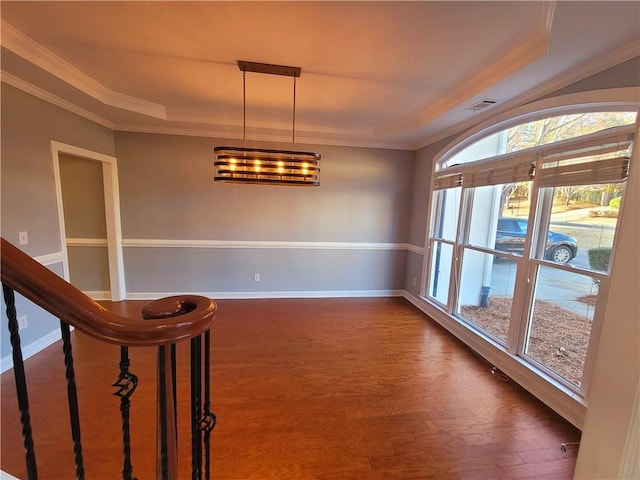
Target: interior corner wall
point(183, 232)
point(421, 192)
point(28, 195)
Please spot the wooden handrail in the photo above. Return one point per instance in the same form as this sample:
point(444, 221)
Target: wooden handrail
point(167, 321)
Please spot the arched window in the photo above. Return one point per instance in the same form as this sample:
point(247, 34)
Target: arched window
point(523, 224)
point(540, 132)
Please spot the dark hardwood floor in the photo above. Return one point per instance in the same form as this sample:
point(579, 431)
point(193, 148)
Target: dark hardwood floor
point(304, 389)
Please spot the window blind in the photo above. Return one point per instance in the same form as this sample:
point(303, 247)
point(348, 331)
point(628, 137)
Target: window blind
point(601, 157)
point(522, 171)
point(604, 160)
point(450, 177)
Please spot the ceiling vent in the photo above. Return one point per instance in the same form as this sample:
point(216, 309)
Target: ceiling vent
point(482, 104)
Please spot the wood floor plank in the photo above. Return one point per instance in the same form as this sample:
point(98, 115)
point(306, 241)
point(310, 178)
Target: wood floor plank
point(304, 389)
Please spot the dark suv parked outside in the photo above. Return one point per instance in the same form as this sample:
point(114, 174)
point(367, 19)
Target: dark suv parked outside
point(510, 235)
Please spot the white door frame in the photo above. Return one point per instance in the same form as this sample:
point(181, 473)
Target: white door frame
point(112, 213)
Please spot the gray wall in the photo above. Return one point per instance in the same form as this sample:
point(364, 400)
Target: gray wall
point(28, 188)
point(167, 192)
point(83, 197)
point(27, 185)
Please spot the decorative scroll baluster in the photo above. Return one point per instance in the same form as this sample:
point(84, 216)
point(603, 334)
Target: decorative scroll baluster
point(196, 408)
point(21, 383)
point(127, 383)
point(24, 275)
point(208, 421)
point(74, 414)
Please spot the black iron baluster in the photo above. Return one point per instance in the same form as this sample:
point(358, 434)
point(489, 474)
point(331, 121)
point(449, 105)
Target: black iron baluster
point(196, 408)
point(127, 383)
point(175, 388)
point(162, 381)
point(74, 414)
point(21, 383)
point(208, 421)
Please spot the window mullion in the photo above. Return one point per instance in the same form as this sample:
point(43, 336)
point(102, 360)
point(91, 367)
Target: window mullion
point(525, 278)
point(461, 235)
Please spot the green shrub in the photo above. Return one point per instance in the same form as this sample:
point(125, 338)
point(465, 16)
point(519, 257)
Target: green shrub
point(615, 203)
point(599, 258)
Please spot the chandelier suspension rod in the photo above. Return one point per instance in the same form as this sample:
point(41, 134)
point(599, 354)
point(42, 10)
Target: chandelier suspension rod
point(293, 132)
point(244, 108)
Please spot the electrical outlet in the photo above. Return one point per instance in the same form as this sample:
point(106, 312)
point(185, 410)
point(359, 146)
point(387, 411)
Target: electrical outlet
point(23, 238)
point(22, 322)
point(256, 277)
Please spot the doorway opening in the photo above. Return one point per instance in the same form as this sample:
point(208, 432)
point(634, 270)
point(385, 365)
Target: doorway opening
point(89, 220)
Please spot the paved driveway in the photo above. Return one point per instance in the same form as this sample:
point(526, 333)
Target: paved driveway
point(554, 285)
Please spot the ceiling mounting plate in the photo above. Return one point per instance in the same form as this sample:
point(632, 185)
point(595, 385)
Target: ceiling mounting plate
point(268, 68)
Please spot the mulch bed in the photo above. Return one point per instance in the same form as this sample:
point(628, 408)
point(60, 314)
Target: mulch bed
point(558, 338)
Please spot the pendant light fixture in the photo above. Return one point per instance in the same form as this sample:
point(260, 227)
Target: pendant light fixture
point(258, 165)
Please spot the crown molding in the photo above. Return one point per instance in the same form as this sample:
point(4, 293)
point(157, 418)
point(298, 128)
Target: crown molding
point(522, 54)
point(17, 42)
point(53, 99)
point(529, 48)
point(214, 131)
point(586, 70)
point(581, 72)
point(222, 132)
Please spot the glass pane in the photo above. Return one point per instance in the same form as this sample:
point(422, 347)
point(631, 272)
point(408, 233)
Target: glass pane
point(555, 129)
point(440, 271)
point(541, 132)
point(486, 292)
point(445, 222)
point(499, 217)
point(561, 321)
point(582, 225)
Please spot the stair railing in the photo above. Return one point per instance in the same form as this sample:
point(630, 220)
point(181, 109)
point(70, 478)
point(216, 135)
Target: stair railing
point(163, 323)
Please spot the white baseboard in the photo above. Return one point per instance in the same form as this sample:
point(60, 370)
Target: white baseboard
point(7, 476)
point(285, 294)
point(6, 363)
point(98, 294)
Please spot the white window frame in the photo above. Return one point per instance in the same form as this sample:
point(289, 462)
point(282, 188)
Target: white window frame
point(565, 400)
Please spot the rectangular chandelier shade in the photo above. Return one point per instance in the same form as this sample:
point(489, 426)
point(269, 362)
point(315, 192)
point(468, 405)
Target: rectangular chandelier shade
point(255, 165)
point(259, 165)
